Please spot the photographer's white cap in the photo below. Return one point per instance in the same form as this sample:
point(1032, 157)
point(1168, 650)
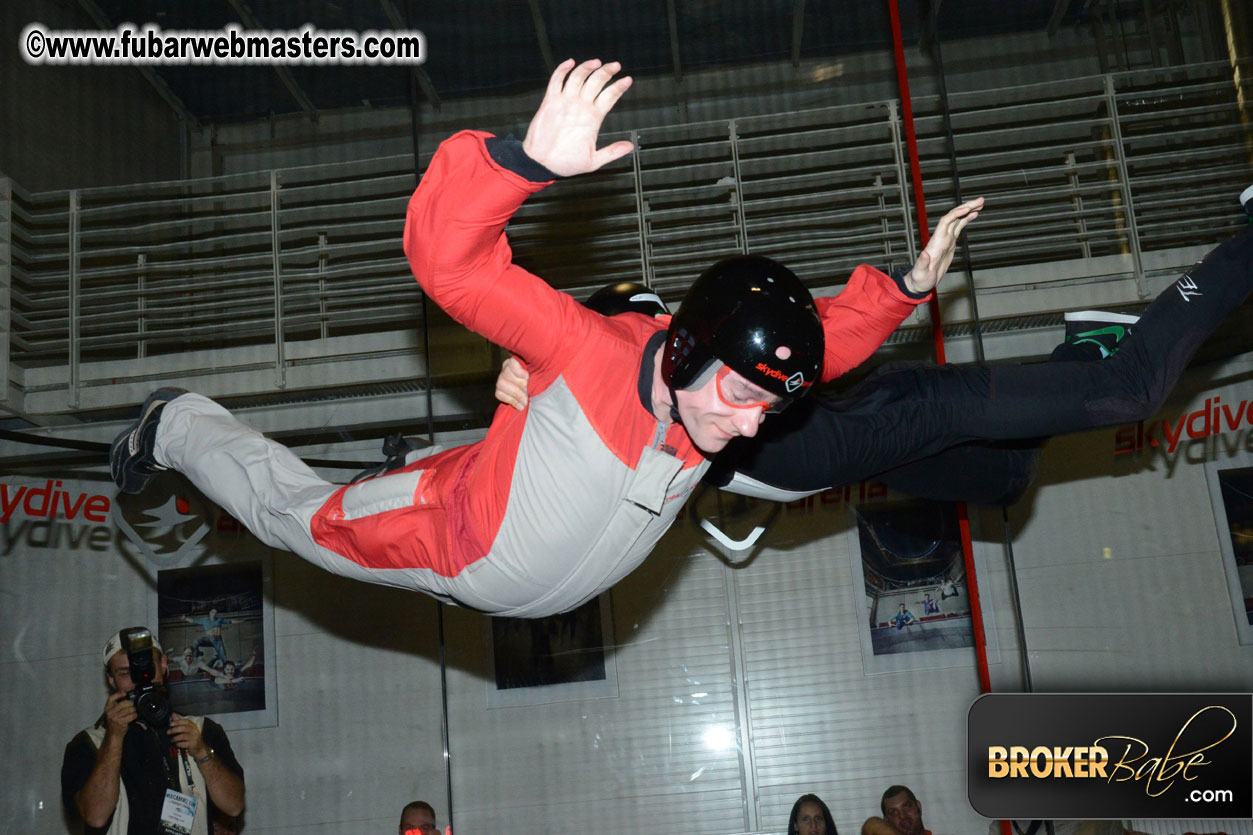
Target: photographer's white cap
point(114, 646)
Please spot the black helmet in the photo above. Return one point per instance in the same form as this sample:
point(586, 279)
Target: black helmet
point(625, 297)
point(742, 311)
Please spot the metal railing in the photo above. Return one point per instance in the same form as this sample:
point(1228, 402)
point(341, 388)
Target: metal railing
point(107, 284)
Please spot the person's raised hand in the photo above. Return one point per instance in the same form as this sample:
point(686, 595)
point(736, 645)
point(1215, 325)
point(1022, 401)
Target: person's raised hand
point(934, 261)
point(562, 134)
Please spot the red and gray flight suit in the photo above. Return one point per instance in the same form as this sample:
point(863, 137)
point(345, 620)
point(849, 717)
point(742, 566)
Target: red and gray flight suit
point(558, 502)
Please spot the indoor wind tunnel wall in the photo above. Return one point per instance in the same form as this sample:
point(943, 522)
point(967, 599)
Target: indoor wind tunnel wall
point(1122, 589)
point(737, 689)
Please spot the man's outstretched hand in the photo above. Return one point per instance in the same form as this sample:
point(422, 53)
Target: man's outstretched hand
point(562, 135)
point(933, 263)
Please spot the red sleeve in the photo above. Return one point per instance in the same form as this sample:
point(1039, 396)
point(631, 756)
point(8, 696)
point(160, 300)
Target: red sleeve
point(456, 246)
point(860, 317)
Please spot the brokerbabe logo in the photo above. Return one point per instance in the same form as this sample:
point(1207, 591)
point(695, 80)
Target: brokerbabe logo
point(1040, 756)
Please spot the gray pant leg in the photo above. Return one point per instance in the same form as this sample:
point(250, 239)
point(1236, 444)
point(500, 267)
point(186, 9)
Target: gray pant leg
point(258, 481)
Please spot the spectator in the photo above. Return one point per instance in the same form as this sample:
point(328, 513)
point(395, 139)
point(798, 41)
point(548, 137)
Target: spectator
point(192, 757)
point(418, 818)
point(903, 811)
point(810, 816)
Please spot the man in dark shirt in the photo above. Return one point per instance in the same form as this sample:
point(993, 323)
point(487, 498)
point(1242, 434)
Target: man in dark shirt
point(173, 778)
point(418, 818)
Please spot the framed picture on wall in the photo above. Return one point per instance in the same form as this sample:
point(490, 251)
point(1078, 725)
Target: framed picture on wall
point(211, 605)
point(559, 658)
point(910, 579)
point(1231, 495)
point(211, 620)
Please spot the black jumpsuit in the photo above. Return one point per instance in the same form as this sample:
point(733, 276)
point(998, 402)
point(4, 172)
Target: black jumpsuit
point(973, 432)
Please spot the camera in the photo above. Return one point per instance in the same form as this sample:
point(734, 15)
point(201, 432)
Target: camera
point(152, 702)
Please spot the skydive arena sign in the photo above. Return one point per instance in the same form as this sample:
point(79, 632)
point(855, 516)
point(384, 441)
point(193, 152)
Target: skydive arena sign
point(1054, 756)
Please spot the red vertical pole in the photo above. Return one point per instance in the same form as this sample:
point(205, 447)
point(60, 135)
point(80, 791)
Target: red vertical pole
point(937, 335)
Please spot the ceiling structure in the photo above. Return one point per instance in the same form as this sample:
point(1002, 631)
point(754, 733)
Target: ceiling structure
point(495, 47)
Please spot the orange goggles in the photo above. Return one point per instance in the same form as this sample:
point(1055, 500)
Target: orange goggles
point(741, 400)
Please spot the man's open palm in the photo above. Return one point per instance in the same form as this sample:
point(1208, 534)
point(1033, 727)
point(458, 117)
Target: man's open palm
point(562, 135)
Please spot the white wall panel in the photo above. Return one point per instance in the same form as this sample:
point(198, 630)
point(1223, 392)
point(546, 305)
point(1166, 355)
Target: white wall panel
point(605, 760)
point(819, 722)
point(1122, 578)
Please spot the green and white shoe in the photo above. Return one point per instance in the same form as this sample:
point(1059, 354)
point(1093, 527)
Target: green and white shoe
point(1101, 328)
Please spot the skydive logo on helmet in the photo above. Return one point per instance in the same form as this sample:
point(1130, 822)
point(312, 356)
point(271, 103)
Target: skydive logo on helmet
point(792, 383)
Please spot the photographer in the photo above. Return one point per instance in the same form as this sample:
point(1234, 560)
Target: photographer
point(175, 769)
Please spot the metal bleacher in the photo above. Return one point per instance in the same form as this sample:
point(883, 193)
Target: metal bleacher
point(289, 284)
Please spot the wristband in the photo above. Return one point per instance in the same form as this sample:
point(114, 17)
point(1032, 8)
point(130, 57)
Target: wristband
point(206, 758)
